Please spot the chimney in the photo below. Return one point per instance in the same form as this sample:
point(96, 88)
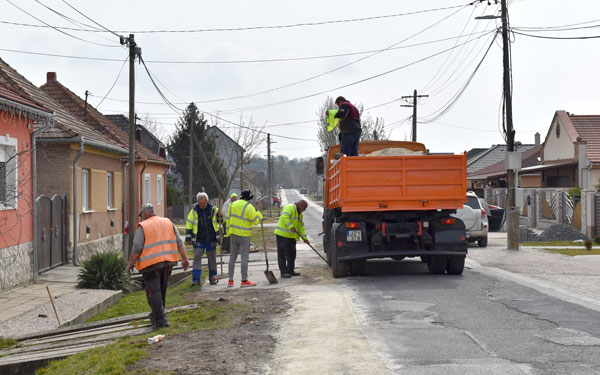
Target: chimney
point(50, 76)
point(537, 139)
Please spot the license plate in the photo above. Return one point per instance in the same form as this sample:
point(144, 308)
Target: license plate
point(353, 235)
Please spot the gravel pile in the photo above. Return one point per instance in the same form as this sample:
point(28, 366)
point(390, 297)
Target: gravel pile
point(560, 232)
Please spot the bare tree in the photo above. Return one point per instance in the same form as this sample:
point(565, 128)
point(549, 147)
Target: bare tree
point(372, 129)
point(155, 127)
point(249, 136)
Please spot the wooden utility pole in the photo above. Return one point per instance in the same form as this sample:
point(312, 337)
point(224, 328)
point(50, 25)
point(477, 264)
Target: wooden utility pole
point(414, 116)
point(241, 170)
point(512, 219)
point(270, 188)
point(191, 161)
point(133, 51)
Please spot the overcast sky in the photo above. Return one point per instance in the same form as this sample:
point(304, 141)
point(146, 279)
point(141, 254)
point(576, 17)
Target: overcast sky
point(435, 50)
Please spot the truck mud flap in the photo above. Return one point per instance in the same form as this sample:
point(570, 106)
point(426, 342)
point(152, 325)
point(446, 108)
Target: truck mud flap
point(449, 236)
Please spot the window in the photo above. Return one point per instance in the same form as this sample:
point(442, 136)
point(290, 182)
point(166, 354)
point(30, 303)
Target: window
point(85, 190)
point(147, 195)
point(8, 173)
point(159, 189)
point(109, 179)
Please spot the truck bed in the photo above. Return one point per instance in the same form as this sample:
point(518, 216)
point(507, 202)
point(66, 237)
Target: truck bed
point(393, 183)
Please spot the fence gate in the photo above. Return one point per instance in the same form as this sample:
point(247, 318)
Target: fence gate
point(51, 231)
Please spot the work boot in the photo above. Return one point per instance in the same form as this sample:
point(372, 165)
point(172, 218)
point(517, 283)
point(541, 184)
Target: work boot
point(294, 273)
point(230, 284)
point(247, 283)
point(285, 275)
point(213, 281)
point(196, 284)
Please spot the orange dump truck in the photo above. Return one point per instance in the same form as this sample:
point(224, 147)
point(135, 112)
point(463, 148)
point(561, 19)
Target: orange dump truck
point(396, 205)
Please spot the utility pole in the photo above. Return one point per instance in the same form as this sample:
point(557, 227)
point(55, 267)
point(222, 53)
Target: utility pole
point(269, 174)
point(414, 116)
point(191, 160)
point(512, 219)
point(134, 51)
point(241, 171)
point(85, 108)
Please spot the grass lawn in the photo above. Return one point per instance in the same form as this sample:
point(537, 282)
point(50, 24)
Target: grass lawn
point(134, 303)
point(128, 350)
point(573, 252)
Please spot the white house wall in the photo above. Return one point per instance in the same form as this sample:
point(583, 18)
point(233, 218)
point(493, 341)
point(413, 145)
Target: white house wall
point(560, 148)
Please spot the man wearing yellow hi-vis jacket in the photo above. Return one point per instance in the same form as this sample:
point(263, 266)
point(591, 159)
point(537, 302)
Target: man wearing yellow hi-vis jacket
point(240, 218)
point(289, 229)
point(201, 229)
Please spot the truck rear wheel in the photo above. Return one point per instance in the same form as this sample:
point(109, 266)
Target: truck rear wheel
point(339, 269)
point(358, 267)
point(456, 265)
point(437, 265)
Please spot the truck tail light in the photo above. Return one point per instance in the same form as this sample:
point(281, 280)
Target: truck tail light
point(340, 244)
point(483, 213)
point(352, 225)
point(420, 231)
point(383, 228)
point(448, 221)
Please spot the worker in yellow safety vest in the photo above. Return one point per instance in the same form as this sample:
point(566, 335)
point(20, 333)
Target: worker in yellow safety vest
point(202, 231)
point(240, 218)
point(154, 253)
point(290, 228)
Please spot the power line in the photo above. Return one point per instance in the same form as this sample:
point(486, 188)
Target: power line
point(349, 84)
point(267, 27)
point(75, 9)
point(57, 29)
point(255, 61)
point(557, 37)
point(177, 109)
point(556, 27)
point(115, 82)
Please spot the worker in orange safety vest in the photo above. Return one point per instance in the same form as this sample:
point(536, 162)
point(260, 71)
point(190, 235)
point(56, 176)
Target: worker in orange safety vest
point(154, 253)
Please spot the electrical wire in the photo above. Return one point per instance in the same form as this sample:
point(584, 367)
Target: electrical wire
point(303, 24)
point(531, 28)
point(114, 83)
point(349, 84)
point(57, 29)
point(177, 109)
point(105, 28)
point(442, 111)
point(557, 37)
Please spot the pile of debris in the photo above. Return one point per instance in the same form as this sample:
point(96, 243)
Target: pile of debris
point(558, 232)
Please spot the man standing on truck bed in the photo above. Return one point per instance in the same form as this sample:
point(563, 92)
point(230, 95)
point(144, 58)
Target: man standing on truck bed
point(289, 228)
point(349, 125)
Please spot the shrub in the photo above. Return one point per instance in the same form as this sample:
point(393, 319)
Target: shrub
point(597, 240)
point(104, 271)
point(588, 244)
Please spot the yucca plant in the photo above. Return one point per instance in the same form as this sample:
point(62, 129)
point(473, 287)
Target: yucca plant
point(104, 271)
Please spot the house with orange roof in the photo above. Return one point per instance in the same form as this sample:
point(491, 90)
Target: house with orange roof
point(81, 168)
point(150, 167)
point(19, 117)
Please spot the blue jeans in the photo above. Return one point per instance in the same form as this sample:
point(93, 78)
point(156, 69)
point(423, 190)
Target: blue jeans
point(349, 144)
point(211, 254)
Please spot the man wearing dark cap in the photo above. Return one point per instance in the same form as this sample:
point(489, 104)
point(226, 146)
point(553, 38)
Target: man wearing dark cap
point(155, 247)
point(350, 126)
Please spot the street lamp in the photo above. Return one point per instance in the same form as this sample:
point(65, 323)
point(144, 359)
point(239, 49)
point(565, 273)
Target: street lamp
point(512, 160)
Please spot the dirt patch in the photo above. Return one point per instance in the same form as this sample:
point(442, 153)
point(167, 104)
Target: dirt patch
point(244, 348)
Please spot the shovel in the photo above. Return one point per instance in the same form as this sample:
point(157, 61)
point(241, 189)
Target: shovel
point(269, 274)
point(319, 254)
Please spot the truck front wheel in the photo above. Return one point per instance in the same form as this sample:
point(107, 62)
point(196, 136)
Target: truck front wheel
point(456, 265)
point(339, 269)
point(437, 265)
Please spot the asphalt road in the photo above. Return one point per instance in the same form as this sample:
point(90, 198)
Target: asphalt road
point(416, 323)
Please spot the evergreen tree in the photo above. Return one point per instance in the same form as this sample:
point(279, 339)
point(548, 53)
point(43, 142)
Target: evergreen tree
point(179, 150)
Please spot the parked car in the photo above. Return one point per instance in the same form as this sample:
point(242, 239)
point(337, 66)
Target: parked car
point(264, 202)
point(276, 200)
point(303, 191)
point(475, 217)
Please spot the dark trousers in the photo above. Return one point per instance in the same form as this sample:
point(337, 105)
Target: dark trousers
point(286, 253)
point(155, 283)
point(349, 143)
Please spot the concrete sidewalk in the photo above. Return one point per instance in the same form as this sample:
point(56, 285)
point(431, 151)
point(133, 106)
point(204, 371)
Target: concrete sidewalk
point(572, 279)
